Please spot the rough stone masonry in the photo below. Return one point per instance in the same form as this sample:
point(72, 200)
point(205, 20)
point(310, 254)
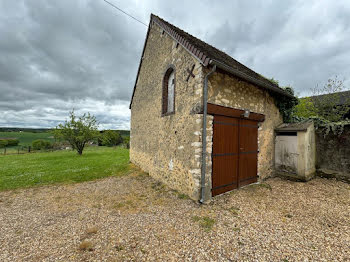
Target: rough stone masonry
point(169, 147)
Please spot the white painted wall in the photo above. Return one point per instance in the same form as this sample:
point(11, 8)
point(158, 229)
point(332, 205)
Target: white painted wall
point(286, 152)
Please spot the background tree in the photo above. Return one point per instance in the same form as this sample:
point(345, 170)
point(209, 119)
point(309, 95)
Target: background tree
point(78, 131)
point(305, 108)
point(111, 138)
point(126, 142)
point(328, 100)
point(285, 104)
point(8, 142)
point(40, 144)
point(3, 143)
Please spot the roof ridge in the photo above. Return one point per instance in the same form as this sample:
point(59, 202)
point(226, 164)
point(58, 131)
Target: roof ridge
point(211, 46)
point(207, 55)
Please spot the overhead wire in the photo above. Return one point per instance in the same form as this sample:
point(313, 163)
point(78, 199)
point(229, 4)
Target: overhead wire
point(116, 7)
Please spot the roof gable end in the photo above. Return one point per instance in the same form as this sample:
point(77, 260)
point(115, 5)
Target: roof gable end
point(207, 55)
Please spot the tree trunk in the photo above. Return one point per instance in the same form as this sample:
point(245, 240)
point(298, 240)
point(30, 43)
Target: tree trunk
point(80, 149)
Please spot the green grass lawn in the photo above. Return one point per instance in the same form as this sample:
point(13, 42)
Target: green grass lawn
point(35, 169)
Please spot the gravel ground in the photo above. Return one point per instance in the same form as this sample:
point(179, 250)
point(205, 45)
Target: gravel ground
point(134, 218)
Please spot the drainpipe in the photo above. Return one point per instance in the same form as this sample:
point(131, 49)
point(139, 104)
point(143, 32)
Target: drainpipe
point(204, 133)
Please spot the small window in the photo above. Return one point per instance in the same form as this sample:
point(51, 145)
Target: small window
point(168, 105)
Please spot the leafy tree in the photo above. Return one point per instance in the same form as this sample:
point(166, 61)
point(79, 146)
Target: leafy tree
point(328, 100)
point(77, 131)
point(41, 144)
point(12, 142)
point(305, 108)
point(8, 142)
point(126, 142)
point(111, 138)
point(3, 143)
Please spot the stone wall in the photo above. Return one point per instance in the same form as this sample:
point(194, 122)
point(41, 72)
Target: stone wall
point(333, 154)
point(167, 147)
point(232, 92)
point(309, 156)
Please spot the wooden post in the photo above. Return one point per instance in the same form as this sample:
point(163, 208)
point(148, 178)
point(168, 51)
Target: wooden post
point(5, 151)
point(28, 149)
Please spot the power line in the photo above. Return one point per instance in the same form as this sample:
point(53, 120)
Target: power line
point(125, 12)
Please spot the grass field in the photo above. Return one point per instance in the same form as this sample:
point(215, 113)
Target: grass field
point(35, 169)
point(26, 138)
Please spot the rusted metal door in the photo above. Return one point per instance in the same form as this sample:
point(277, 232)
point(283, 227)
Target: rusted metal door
point(235, 153)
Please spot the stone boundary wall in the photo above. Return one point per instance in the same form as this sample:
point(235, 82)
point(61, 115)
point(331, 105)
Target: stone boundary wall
point(333, 154)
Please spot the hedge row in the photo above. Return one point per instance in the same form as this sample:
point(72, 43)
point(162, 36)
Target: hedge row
point(6, 142)
point(41, 144)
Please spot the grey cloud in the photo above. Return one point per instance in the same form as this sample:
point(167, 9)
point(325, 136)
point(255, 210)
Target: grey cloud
point(301, 43)
point(56, 54)
point(59, 55)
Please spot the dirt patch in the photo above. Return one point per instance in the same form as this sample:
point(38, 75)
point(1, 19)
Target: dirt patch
point(134, 218)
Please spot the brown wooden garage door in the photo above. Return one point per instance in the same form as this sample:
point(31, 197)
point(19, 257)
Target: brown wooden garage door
point(235, 153)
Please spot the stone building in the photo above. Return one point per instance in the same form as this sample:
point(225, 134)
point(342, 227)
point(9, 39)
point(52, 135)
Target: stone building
point(184, 84)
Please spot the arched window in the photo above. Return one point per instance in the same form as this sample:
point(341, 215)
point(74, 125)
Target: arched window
point(168, 103)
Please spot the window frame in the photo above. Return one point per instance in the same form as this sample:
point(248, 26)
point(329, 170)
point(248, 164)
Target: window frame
point(170, 69)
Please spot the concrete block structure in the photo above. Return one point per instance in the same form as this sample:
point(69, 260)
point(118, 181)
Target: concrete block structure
point(295, 150)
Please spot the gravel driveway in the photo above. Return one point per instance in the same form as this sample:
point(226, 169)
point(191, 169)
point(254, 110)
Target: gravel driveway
point(134, 218)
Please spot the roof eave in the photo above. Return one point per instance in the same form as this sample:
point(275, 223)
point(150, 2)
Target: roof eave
point(249, 78)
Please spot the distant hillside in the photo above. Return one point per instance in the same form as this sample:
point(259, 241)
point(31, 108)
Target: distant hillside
point(27, 135)
point(26, 138)
point(18, 129)
point(45, 130)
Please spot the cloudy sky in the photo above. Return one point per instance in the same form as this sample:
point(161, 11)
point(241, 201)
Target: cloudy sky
point(84, 54)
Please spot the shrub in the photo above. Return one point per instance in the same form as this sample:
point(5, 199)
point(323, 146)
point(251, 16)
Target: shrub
point(305, 108)
point(5, 142)
point(286, 104)
point(126, 142)
point(111, 138)
point(12, 142)
point(40, 144)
